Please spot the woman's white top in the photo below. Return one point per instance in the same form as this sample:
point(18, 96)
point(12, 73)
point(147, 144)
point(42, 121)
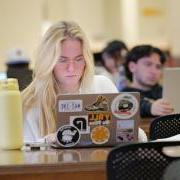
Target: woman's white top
point(101, 84)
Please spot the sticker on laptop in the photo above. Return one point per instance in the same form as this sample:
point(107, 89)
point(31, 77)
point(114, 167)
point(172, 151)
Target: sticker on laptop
point(124, 136)
point(70, 105)
point(99, 118)
point(125, 124)
point(80, 122)
point(101, 104)
point(124, 106)
point(100, 135)
point(68, 136)
point(125, 131)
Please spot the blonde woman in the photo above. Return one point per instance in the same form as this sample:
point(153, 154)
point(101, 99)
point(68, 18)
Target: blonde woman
point(64, 65)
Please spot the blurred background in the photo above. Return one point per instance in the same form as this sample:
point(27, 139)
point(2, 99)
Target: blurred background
point(23, 22)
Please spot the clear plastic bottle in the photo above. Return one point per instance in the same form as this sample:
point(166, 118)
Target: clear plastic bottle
point(11, 124)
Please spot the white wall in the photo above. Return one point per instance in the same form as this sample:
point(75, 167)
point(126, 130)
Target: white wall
point(134, 21)
point(153, 22)
point(20, 22)
point(112, 16)
point(90, 15)
point(130, 21)
point(173, 26)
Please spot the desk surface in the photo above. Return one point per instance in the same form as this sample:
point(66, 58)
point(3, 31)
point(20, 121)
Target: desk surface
point(48, 161)
point(53, 164)
point(14, 161)
point(52, 160)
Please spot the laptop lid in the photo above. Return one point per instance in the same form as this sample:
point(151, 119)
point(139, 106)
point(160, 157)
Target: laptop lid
point(91, 120)
point(171, 87)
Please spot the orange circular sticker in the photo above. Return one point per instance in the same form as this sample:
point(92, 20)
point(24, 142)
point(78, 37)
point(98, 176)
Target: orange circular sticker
point(100, 135)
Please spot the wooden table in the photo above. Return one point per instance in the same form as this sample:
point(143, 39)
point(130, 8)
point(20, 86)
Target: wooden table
point(77, 164)
point(145, 124)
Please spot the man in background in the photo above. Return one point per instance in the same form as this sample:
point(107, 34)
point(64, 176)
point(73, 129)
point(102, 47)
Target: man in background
point(144, 69)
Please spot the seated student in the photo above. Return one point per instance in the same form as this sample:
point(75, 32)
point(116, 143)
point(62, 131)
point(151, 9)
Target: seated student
point(113, 58)
point(64, 65)
point(144, 68)
point(99, 68)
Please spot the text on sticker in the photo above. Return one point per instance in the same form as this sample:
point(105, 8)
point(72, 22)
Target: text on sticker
point(70, 105)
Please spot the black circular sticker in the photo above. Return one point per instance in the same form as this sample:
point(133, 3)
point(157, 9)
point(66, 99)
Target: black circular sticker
point(68, 136)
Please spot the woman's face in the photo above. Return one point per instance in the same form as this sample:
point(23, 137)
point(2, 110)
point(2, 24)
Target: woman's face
point(70, 65)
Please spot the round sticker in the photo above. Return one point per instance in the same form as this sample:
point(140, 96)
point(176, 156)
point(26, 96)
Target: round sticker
point(124, 106)
point(100, 135)
point(68, 136)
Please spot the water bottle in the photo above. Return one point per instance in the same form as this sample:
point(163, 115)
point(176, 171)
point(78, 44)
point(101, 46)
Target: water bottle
point(11, 124)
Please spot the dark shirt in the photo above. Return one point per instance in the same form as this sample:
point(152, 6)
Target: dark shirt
point(146, 98)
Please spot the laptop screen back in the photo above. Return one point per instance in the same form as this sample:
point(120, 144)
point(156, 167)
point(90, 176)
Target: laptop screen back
point(171, 87)
point(89, 120)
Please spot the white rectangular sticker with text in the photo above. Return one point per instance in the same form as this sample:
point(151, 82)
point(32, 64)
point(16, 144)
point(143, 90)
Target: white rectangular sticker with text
point(70, 105)
point(125, 124)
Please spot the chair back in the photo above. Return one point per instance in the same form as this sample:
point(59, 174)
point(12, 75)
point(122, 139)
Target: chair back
point(139, 161)
point(165, 126)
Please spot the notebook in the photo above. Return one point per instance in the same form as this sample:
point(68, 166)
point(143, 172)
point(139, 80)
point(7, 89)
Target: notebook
point(92, 120)
point(171, 87)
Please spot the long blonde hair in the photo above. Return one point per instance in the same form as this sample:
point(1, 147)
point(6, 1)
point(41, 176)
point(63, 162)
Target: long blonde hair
point(42, 92)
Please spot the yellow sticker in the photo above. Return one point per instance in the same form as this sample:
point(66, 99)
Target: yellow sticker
point(99, 118)
point(100, 135)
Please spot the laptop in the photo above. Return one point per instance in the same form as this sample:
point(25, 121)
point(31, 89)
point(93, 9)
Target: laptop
point(96, 120)
point(171, 87)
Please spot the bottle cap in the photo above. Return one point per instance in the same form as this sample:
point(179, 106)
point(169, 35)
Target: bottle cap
point(9, 84)
point(17, 56)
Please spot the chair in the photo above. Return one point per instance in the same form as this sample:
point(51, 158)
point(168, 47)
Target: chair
point(139, 161)
point(165, 126)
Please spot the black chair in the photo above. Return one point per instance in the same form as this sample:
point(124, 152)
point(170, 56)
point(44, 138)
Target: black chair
point(139, 161)
point(165, 126)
